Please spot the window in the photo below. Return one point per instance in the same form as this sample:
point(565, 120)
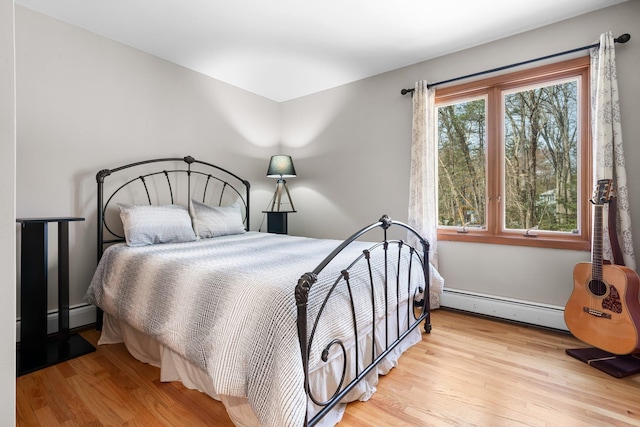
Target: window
point(514, 158)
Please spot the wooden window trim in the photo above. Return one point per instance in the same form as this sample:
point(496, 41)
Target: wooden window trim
point(492, 88)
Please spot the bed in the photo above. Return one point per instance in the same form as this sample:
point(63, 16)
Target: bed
point(284, 330)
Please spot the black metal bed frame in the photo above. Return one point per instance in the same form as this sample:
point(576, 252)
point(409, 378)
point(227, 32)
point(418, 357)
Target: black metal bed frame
point(190, 163)
point(417, 311)
point(391, 283)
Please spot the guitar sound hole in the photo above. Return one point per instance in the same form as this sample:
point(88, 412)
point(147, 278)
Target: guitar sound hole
point(597, 287)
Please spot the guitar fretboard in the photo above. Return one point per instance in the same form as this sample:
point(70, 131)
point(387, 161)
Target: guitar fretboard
point(596, 254)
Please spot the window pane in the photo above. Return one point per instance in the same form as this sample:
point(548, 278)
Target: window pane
point(461, 164)
point(540, 164)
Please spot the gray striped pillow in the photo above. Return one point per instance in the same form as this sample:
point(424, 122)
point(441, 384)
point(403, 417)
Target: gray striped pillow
point(213, 221)
point(151, 224)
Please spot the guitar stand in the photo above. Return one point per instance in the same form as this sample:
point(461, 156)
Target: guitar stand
point(618, 366)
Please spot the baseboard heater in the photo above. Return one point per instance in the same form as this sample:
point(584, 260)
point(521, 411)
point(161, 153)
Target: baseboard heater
point(79, 315)
point(534, 313)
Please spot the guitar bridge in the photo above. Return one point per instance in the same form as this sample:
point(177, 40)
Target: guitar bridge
point(596, 313)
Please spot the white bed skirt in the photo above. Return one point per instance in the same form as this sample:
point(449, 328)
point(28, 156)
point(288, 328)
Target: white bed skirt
point(174, 367)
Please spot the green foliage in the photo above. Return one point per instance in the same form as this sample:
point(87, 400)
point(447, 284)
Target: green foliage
point(462, 160)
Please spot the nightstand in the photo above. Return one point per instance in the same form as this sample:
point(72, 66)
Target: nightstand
point(277, 221)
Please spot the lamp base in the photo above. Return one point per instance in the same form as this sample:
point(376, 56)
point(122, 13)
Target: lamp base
point(277, 222)
point(281, 191)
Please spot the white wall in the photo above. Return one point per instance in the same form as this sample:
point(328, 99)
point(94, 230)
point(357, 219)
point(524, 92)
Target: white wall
point(7, 215)
point(351, 147)
point(85, 103)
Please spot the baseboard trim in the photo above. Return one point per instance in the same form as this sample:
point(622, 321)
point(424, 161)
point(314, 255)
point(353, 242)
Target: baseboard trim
point(79, 315)
point(545, 315)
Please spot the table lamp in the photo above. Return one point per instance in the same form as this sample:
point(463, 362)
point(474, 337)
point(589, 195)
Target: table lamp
point(281, 167)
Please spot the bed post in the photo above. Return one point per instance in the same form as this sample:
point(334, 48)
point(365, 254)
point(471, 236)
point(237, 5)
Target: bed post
point(302, 296)
point(188, 160)
point(247, 187)
point(100, 180)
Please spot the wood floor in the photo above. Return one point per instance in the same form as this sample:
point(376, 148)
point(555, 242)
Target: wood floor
point(469, 371)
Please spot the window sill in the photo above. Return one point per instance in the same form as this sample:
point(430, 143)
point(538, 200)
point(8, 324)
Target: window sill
point(577, 243)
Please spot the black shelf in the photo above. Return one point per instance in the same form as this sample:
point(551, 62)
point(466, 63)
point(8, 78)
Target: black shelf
point(277, 221)
point(57, 350)
point(37, 349)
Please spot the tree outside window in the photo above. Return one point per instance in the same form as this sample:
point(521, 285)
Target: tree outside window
point(514, 161)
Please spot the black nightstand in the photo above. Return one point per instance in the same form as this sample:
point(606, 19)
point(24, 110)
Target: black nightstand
point(277, 221)
point(37, 349)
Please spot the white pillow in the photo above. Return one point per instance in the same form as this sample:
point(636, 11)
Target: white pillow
point(150, 224)
point(213, 221)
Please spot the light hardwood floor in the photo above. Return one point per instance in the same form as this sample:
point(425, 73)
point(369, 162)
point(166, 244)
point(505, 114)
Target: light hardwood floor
point(469, 371)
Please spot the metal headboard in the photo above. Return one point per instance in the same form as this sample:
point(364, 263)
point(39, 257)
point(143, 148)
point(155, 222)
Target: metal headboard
point(208, 173)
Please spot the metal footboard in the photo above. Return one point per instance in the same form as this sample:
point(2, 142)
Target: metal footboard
point(393, 282)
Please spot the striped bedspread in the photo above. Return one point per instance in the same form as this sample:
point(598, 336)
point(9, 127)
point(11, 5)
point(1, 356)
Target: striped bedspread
point(227, 305)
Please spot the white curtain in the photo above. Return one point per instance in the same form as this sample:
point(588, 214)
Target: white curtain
point(423, 185)
point(608, 154)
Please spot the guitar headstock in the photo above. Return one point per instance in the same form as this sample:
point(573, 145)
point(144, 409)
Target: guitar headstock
point(603, 192)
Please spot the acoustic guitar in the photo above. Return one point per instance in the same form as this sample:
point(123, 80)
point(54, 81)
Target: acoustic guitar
point(604, 309)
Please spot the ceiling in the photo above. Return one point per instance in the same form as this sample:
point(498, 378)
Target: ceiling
point(284, 49)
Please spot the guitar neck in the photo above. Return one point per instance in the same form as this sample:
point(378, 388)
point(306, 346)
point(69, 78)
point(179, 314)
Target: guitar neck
point(596, 253)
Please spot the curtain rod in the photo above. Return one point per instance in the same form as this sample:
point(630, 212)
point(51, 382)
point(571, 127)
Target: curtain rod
point(622, 39)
